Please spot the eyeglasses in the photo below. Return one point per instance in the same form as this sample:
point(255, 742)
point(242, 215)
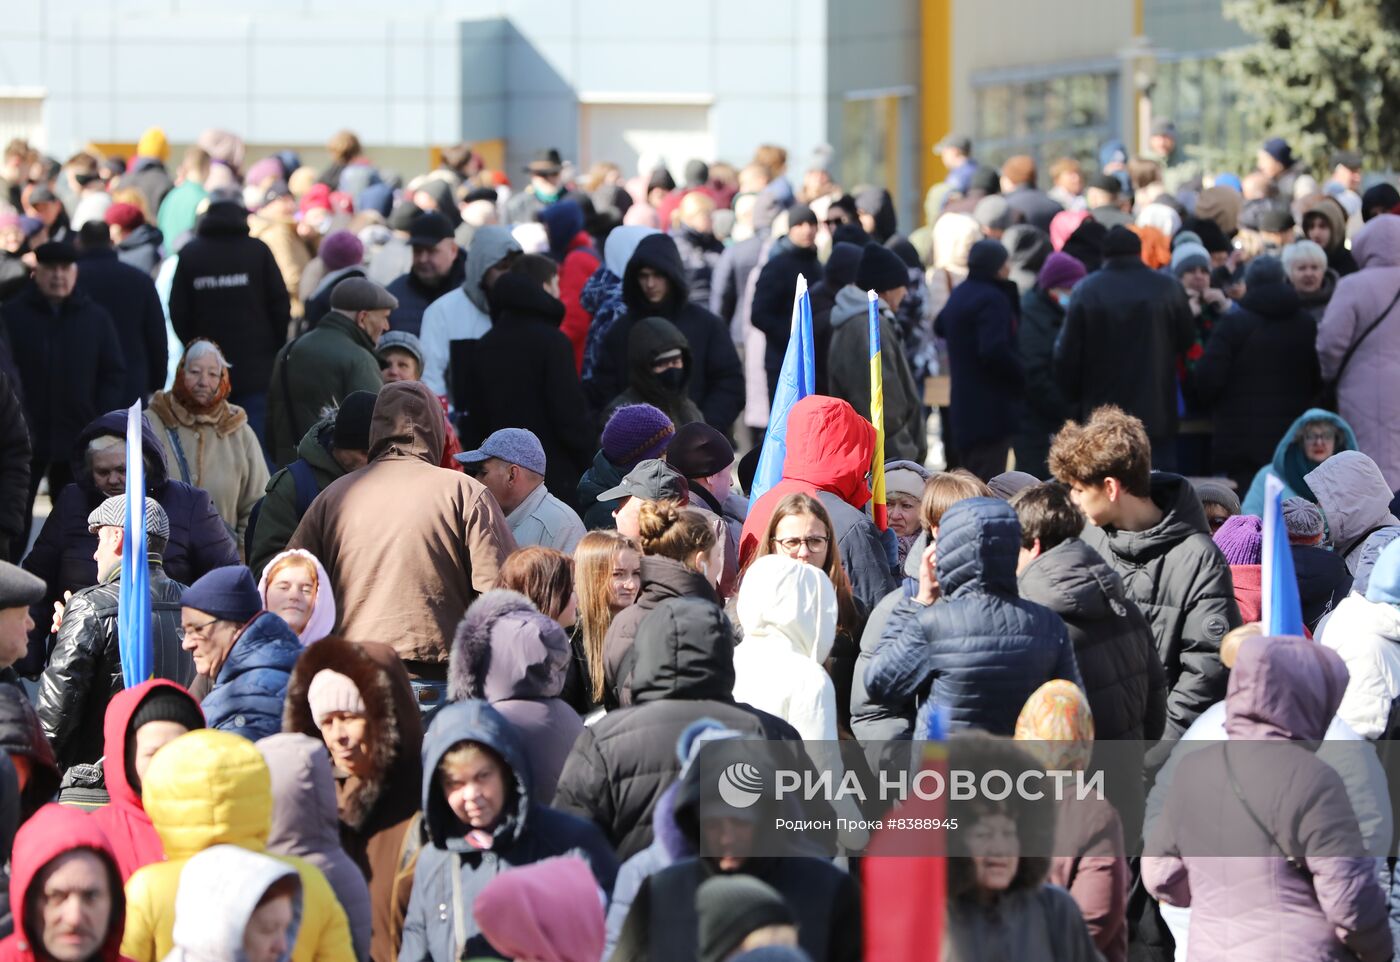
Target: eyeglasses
point(816, 542)
point(1311, 436)
point(199, 630)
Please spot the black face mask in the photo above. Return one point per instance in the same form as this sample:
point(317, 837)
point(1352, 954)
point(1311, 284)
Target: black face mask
point(672, 379)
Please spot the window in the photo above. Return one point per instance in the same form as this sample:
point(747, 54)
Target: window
point(1049, 115)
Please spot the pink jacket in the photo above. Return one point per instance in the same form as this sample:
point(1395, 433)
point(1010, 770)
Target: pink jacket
point(1369, 392)
point(1259, 908)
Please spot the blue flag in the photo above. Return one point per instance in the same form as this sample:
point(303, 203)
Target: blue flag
point(1282, 611)
point(797, 380)
point(134, 599)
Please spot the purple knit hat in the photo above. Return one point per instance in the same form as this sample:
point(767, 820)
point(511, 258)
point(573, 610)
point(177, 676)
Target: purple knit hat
point(635, 433)
point(1059, 270)
point(1241, 540)
point(341, 249)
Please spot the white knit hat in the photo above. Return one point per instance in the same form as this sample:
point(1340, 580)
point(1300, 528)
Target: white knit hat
point(331, 691)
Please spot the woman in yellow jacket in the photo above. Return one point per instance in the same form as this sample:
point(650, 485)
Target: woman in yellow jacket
point(213, 788)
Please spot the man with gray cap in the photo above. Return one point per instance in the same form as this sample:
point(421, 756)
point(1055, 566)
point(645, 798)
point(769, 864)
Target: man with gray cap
point(327, 363)
point(18, 591)
point(511, 463)
point(650, 480)
point(84, 670)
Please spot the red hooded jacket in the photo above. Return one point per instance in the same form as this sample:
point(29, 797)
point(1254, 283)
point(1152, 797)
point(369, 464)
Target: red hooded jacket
point(53, 831)
point(829, 448)
point(133, 840)
point(578, 266)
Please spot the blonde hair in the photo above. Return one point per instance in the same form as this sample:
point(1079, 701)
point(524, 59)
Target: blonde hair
point(464, 753)
point(671, 530)
point(946, 489)
point(594, 559)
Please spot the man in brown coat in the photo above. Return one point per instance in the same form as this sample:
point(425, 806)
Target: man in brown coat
point(408, 545)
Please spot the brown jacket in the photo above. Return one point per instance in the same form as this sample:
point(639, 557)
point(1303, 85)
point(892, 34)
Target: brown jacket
point(409, 545)
point(288, 249)
point(378, 812)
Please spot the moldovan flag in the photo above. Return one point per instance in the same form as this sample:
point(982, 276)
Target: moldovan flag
point(877, 418)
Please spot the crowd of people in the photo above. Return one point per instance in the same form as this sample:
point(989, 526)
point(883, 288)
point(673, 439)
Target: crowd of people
point(456, 562)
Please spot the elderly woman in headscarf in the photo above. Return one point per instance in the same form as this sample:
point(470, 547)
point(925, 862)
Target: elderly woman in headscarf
point(207, 440)
point(1090, 861)
point(295, 587)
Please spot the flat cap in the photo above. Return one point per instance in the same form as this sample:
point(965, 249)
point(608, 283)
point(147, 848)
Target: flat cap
point(112, 514)
point(360, 294)
point(19, 588)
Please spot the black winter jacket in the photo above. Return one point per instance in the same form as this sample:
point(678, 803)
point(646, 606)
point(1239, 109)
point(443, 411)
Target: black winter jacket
point(662, 924)
point(521, 374)
point(129, 296)
point(21, 734)
point(772, 299)
point(62, 555)
point(661, 579)
point(1125, 327)
point(685, 671)
point(648, 339)
point(1113, 645)
point(979, 323)
point(1259, 373)
point(415, 296)
point(985, 650)
point(716, 376)
point(85, 667)
point(71, 366)
point(1179, 578)
point(699, 255)
point(1323, 581)
point(14, 468)
point(228, 288)
point(1041, 320)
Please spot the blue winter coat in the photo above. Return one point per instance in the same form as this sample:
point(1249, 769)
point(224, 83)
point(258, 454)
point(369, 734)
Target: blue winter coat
point(62, 555)
point(251, 687)
point(528, 834)
point(983, 651)
point(979, 323)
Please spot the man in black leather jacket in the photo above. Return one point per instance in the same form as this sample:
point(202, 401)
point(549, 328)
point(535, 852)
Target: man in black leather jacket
point(84, 671)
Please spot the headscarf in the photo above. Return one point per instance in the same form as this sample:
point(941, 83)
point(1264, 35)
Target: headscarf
point(322, 618)
point(182, 391)
point(1057, 722)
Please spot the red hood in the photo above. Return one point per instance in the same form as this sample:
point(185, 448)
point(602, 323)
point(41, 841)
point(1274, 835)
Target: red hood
point(52, 831)
point(119, 711)
point(829, 446)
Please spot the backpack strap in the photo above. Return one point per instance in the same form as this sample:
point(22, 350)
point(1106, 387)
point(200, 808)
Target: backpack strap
point(180, 458)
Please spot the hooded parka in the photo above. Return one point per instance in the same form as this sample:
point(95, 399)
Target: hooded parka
point(409, 546)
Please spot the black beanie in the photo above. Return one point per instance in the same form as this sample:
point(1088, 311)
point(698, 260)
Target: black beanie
point(352, 421)
point(880, 269)
point(1213, 239)
point(1122, 242)
point(732, 907)
point(986, 257)
point(1378, 199)
point(167, 704)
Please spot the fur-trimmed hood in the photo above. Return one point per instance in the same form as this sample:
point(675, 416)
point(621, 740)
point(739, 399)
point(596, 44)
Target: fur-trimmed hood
point(506, 650)
point(396, 730)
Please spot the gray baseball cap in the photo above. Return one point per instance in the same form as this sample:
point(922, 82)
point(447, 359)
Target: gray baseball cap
point(511, 445)
point(651, 480)
point(112, 514)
